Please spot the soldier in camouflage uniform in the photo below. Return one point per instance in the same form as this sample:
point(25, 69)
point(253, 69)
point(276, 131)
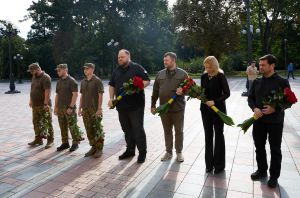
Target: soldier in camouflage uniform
point(90, 108)
point(40, 103)
point(65, 107)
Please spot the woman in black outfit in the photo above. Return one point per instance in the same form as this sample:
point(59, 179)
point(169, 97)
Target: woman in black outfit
point(216, 91)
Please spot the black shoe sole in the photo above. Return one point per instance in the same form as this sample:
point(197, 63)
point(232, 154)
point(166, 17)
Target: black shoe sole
point(61, 149)
point(141, 161)
point(127, 157)
point(259, 177)
point(72, 150)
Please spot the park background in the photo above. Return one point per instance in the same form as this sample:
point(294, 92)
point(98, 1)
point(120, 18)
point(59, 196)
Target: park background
point(79, 31)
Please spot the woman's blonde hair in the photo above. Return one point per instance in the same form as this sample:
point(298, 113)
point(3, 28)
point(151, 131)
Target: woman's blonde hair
point(211, 60)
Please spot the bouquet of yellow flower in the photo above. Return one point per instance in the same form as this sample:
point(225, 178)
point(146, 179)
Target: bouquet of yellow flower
point(134, 85)
point(282, 98)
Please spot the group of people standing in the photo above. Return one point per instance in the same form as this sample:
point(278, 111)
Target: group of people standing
point(65, 106)
point(166, 84)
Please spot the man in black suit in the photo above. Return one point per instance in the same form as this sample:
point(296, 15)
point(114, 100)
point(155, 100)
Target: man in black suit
point(270, 122)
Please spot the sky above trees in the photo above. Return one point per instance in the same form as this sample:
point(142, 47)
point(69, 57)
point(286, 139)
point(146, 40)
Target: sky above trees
point(15, 10)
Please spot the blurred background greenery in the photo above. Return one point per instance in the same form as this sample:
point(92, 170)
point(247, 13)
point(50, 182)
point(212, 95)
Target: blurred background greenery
point(78, 31)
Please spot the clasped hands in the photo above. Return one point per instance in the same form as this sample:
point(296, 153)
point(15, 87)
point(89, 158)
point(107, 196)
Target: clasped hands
point(265, 111)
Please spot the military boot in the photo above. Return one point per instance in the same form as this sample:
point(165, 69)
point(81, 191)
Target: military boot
point(35, 142)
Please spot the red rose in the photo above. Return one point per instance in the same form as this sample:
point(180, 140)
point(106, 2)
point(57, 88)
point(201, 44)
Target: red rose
point(138, 82)
point(287, 91)
point(189, 84)
point(290, 96)
point(184, 88)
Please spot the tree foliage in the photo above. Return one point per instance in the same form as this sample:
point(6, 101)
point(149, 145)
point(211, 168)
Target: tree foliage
point(78, 31)
point(209, 24)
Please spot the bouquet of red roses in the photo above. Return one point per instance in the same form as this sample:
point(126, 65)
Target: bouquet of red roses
point(185, 85)
point(196, 91)
point(283, 99)
point(134, 85)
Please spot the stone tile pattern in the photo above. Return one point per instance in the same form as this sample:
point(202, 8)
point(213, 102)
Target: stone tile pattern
point(36, 172)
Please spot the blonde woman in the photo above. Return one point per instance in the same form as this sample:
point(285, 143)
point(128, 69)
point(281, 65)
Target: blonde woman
point(216, 91)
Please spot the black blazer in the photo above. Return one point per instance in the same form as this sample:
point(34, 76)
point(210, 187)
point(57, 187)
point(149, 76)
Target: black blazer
point(261, 88)
point(216, 89)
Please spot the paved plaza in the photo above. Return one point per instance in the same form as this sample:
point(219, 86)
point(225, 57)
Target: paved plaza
point(36, 172)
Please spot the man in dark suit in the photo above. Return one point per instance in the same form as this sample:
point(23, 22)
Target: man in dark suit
point(270, 122)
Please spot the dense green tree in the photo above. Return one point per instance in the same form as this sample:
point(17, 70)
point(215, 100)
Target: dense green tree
point(17, 47)
point(278, 22)
point(78, 31)
point(212, 25)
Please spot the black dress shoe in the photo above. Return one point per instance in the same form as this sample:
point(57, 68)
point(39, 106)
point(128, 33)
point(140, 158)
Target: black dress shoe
point(141, 158)
point(257, 175)
point(126, 155)
point(74, 147)
point(63, 147)
point(272, 183)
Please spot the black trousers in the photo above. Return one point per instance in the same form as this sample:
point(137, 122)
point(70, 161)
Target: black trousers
point(260, 134)
point(214, 151)
point(290, 73)
point(132, 124)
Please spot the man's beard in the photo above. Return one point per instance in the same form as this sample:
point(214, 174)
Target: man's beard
point(168, 67)
point(124, 64)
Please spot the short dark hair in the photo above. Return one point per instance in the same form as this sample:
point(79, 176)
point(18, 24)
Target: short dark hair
point(271, 59)
point(171, 54)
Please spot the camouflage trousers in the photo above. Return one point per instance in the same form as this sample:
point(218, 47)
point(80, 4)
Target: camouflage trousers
point(89, 120)
point(37, 116)
point(65, 124)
